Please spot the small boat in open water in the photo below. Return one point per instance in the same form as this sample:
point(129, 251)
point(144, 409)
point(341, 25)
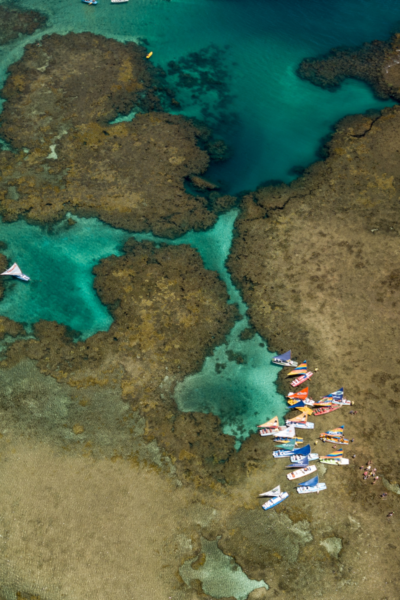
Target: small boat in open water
point(89, 1)
point(16, 272)
point(284, 360)
point(276, 497)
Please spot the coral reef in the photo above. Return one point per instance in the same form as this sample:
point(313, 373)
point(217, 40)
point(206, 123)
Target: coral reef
point(376, 63)
point(61, 97)
point(168, 310)
point(316, 263)
point(18, 22)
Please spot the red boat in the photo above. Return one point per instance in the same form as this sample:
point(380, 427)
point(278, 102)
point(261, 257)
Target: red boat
point(324, 410)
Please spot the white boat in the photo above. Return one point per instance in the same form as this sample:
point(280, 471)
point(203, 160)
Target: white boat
point(272, 493)
point(275, 501)
point(284, 360)
point(298, 458)
point(300, 425)
point(342, 402)
point(287, 432)
point(310, 486)
point(118, 1)
point(309, 490)
point(335, 461)
point(16, 272)
point(301, 472)
point(271, 430)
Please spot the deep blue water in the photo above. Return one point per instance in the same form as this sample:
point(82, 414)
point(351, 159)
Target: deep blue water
point(250, 50)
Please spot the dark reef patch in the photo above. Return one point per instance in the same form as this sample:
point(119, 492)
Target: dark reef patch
point(61, 97)
point(15, 23)
point(376, 63)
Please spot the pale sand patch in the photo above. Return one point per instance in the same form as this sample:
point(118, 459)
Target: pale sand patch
point(77, 528)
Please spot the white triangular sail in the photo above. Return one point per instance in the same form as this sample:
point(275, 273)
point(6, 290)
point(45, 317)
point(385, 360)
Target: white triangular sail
point(289, 432)
point(15, 271)
point(275, 492)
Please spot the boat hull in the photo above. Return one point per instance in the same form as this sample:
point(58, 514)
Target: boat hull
point(301, 472)
point(299, 380)
point(269, 431)
point(307, 489)
point(335, 461)
point(284, 363)
point(330, 440)
point(275, 501)
point(324, 410)
point(300, 425)
point(299, 457)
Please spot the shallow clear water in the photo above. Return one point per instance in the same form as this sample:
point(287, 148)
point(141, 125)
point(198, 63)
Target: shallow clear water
point(236, 383)
point(220, 575)
point(273, 121)
point(60, 263)
point(278, 119)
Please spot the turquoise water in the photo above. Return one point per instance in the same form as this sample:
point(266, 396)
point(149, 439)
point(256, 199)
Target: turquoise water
point(273, 120)
point(249, 50)
point(242, 394)
point(59, 262)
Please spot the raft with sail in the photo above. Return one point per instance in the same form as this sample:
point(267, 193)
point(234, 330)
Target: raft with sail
point(310, 486)
point(305, 451)
point(312, 456)
point(284, 360)
point(276, 497)
point(324, 410)
point(300, 422)
point(334, 436)
point(15, 271)
point(301, 472)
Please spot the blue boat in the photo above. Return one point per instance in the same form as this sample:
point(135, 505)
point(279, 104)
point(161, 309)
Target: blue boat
point(89, 1)
point(277, 498)
point(300, 464)
point(285, 453)
point(310, 482)
point(311, 486)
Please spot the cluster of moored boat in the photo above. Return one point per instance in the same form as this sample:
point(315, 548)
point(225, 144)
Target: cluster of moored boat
point(301, 457)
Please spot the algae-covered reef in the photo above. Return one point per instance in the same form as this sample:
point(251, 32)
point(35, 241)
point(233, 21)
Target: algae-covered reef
point(61, 97)
point(376, 63)
point(15, 23)
point(317, 265)
point(168, 312)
